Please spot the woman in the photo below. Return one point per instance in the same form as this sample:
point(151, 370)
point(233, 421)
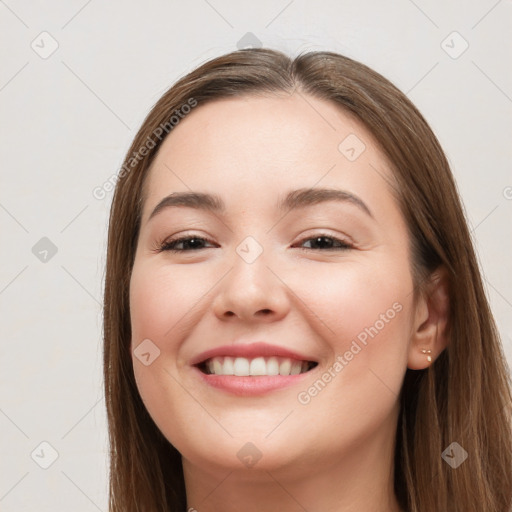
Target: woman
point(294, 315)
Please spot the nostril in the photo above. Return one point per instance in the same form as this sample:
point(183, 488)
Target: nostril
point(264, 312)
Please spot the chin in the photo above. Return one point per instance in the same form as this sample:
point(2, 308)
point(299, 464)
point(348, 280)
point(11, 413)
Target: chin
point(242, 455)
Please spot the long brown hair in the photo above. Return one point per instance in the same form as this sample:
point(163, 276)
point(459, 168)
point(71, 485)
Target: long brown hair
point(463, 397)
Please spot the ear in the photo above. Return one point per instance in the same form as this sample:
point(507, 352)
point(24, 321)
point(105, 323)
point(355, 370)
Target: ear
point(431, 316)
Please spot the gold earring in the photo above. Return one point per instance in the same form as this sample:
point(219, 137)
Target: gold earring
point(424, 351)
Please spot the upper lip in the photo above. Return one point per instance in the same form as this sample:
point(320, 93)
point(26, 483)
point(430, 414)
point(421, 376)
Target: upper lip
point(250, 350)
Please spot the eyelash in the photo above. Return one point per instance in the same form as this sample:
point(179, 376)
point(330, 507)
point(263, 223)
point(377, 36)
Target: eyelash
point(170, 244)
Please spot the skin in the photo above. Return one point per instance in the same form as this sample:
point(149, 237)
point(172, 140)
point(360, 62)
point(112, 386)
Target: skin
point(334, 453)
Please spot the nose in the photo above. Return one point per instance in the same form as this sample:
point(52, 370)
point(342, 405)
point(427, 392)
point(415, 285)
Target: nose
point(251, 292)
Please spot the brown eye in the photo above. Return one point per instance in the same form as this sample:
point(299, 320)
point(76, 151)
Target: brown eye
point(325, 242)
point(184, 244)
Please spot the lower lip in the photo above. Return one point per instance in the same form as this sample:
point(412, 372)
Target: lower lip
point(253, 385)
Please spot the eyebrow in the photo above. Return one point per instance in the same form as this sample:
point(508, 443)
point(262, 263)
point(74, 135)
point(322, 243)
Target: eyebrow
point(294, 199)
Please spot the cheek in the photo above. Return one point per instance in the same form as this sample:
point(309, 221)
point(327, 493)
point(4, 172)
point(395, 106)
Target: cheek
point(368, 313)
point(161, 310)
point(364, 311)
point(162, 302)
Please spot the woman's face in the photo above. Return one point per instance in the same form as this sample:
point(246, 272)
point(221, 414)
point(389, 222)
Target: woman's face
point(322, 275)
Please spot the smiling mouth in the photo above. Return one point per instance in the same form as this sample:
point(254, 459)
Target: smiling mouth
point(255, 367)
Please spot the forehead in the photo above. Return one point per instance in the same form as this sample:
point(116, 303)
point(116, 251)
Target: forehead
point(249, 149)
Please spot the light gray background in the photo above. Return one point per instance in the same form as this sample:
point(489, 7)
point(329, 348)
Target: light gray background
point(68, 119)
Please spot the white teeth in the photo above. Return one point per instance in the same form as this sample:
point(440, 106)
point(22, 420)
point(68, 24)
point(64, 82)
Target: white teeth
point(272, 366)
point(285, 367)
point(228, 367)
point(243, 367)
point(258, 366)
point(296, 367)
point(217, 366)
